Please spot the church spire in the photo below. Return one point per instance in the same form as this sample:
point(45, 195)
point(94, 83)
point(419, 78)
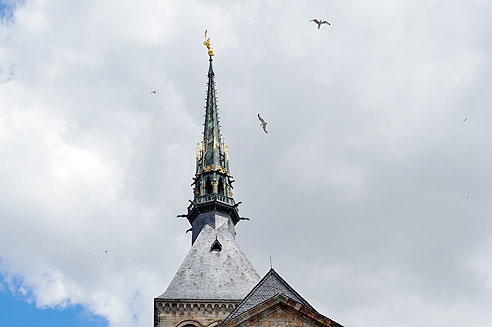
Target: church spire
point(213, 203)
point(213, 153)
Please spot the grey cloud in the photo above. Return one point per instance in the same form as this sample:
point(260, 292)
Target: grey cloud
point(359, 191)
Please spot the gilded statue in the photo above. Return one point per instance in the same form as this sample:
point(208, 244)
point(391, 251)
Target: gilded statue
point(207, 44)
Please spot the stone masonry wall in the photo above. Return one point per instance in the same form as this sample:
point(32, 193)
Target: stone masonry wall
point(279, 317)
point(195, 313)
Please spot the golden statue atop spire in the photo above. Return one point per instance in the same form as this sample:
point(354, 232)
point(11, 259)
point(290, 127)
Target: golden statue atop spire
point(207, 44)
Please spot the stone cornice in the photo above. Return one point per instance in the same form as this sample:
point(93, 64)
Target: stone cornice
point(185, 306)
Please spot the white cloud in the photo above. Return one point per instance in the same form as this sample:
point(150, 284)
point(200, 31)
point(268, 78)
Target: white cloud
point(367, 151)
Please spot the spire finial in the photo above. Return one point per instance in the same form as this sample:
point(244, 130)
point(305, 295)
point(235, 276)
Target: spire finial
point(209, 47)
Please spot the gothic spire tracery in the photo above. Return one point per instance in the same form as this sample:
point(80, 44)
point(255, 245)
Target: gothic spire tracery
point(213, 154)
point(212, 189)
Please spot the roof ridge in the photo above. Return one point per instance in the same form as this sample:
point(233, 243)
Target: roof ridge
point(244, 305)
point(290, 288)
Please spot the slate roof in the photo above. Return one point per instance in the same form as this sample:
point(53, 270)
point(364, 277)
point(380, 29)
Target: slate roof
point(271, 285)
point(213, 275)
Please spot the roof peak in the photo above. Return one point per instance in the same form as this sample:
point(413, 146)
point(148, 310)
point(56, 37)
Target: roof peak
point(269, 286)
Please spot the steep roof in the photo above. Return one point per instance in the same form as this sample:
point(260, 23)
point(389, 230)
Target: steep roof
point(271, 285)
point(213, 273)
point(271, 313)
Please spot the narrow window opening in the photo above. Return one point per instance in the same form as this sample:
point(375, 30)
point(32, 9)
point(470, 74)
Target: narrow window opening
point(208, 186)
point(221, 186)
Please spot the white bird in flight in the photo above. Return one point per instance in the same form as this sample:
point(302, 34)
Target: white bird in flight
point(153, 92)
point(319, 22)
point(263, 123)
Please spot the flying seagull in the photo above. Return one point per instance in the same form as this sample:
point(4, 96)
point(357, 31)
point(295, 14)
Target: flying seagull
point(263, 123)
point(153, 92)
point(319, 22)
point(106, 251)
point(465, 119)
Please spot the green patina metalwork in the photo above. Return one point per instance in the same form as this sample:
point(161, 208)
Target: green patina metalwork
point(212, 182)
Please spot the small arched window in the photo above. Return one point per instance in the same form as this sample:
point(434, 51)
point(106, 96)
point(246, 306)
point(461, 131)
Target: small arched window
point(221, 188)
point(189, 323)
point(208, 186)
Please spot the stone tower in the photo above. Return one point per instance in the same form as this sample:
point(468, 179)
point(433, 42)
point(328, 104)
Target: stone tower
point(215, 276)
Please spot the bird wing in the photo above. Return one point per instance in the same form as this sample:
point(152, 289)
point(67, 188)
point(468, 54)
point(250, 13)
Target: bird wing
point(315, 20)
point(325, 22)
point(264, 127)
point(261, 119)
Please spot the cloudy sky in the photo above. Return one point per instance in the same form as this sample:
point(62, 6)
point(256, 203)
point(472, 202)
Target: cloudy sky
point(371, 192)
